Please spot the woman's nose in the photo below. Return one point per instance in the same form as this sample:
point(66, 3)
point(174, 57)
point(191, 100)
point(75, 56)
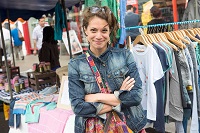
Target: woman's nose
point(99, 35)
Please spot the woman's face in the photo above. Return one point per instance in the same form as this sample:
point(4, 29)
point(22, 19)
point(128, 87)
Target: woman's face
point(98, 32)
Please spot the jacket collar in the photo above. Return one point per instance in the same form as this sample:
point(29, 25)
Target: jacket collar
point(102, 57)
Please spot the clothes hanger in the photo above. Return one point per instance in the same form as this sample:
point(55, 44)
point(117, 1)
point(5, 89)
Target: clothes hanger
point(179, 36)
point(191, 32)
point(148, 38)
point(165, 40)
point(173, 34)
point(182, 32)
point(191, 37)
point(129, 43)
point(198, 30)
point(152, 37)
point(140, 39)
point(176, 38)
point(158, 37)
point(172, 39)
point(195, 32)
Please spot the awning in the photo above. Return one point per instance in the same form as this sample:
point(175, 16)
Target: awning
point(30, 8)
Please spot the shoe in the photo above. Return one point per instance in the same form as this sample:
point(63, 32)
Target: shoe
point(22, 57)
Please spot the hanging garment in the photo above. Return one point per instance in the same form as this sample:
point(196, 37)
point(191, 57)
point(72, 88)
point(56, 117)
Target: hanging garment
point(60, 22)
point(159, 124)
point(122, 24)
point(146, 58)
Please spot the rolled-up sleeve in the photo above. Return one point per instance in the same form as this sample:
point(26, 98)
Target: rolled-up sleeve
point(77, 95)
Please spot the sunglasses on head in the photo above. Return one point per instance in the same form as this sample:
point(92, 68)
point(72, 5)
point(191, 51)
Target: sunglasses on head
point(96, 9)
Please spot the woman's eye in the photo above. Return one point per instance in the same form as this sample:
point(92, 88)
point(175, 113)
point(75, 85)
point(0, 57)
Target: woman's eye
point(104, 31)
point(93, 30)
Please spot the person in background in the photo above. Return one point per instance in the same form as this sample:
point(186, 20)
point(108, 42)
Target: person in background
point(17, 43)
point(38, 35)
point(49, 51)
point(117, 70)
point(6, 36)
point(157, 19)
point(132, 19)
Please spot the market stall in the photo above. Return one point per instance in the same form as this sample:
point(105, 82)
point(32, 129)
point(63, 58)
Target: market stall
point(12, 10)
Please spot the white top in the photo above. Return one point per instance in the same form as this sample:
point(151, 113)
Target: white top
point(6, 35)
point(38, 35)
point(150, 70)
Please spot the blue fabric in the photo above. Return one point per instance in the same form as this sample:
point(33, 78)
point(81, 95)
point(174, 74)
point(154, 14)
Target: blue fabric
point(115, 64)
point(159, 124)
point(11, 118)
point(122, 24)
point(17, 41)
point(34, 8)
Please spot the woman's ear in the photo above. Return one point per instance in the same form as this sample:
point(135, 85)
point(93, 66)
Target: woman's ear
point(84, 30)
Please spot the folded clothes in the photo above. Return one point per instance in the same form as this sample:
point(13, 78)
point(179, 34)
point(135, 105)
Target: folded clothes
point(49, 90)
point(51, 106)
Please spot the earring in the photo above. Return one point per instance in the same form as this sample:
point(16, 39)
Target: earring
point(109, 42)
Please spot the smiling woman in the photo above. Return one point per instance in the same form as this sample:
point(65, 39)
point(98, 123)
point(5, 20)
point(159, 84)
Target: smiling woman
point(104, 83)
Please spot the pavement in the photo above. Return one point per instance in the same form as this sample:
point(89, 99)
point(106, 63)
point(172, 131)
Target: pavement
point(26, 65)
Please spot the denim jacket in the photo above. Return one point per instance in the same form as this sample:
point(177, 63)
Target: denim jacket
point(114, 66)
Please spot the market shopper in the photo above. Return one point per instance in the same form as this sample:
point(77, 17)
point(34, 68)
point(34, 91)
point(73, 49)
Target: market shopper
point(17, 43)
point(105, 79)
point(49, 51)
point(157, 19)
point(38, 35)
point(132, 19)
point(6, 36)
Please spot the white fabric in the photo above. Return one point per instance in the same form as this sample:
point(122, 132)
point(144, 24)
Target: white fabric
point(69, 127)
point(38, 35)
point(150, 70)
point(179, 127)
point(23, 128)
point(194, 122)
point(6, 35)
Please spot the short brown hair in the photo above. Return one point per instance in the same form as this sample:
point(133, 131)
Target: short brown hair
point(155, 11)
point(128, 7)
point(103, 13)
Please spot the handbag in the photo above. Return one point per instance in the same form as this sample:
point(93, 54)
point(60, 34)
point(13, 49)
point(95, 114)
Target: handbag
point(113, 122)
point(20, 35)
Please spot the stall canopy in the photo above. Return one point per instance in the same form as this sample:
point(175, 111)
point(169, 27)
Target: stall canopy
point(30, 8)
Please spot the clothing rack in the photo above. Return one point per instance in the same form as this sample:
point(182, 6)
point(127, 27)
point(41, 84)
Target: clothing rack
point(164, 24)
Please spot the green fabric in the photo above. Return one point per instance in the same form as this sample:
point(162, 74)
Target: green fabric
point(197, 50)
point(112, 4)
point(32, 114)
point(51, 106)
point(89, 3)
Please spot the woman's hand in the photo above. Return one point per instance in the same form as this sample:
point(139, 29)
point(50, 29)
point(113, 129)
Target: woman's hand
point(128, 84)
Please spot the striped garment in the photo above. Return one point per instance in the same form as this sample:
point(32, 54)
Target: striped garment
point(20, 105)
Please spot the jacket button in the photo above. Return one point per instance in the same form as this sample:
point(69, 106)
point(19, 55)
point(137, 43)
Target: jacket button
point(104, 65)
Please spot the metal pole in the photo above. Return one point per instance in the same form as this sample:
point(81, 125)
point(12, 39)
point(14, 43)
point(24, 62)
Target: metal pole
point(6, 62)
point(68, 38)
point(174, 4)
point(13, 57)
